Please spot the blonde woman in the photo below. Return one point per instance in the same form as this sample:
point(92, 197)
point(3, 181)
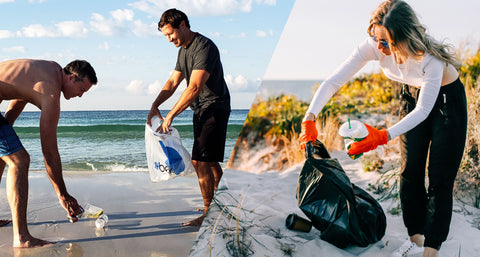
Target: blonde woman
point(433, 119)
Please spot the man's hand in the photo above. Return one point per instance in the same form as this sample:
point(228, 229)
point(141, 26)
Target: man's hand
point(166, 122)
point(308, 133)
point(71, 205)
point(375, 138)
point(152, 113)
point(165, 127)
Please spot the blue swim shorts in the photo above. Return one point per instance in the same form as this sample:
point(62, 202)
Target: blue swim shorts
point(9, 141)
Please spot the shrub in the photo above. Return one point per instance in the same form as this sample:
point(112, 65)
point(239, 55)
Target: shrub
point(467, 184)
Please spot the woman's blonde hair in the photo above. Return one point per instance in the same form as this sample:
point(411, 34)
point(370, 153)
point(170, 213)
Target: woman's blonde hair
point(408, 36)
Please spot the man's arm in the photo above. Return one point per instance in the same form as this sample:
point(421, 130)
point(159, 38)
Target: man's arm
point(48, 135)
point(167, 91)
point(14, 109)
point(197, 81)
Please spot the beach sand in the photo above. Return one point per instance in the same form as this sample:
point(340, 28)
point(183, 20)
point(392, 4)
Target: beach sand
point(247, 218)
point(145, 218)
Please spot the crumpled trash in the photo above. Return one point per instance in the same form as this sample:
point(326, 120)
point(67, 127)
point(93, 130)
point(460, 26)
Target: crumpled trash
point(345, 214)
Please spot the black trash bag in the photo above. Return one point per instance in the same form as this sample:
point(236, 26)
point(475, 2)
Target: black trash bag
point(345, 214)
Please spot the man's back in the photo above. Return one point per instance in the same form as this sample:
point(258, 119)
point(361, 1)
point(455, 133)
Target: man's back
point(26, 79)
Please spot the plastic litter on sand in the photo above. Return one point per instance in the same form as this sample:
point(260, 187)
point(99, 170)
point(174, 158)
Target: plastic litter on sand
point(101, 222)
point(92, 211)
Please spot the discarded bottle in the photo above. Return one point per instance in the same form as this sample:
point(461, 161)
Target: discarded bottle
point(353, 131)
point(92, 211)
point(294, 222)
point(72, 218)
point(101, 222)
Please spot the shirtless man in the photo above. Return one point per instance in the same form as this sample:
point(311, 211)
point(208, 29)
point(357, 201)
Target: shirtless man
point(40, 83)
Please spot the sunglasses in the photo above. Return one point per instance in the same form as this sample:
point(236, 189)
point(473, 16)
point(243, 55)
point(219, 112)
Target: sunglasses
point(383, 42)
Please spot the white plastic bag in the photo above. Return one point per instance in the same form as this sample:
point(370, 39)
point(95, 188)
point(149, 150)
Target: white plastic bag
point(166, 156)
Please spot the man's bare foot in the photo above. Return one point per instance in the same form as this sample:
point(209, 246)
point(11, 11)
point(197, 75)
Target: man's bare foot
point(196, 222)
point(200, 209)
point(31, 242)
point(4, 222)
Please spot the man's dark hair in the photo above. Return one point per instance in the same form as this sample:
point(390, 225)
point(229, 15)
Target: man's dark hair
point(173, 17)
point(81, 69)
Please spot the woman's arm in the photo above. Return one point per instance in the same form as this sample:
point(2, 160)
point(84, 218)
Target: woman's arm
point(432, 81)
point(359, 58)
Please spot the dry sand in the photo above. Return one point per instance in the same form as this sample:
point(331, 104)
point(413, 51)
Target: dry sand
point(145, 218)
point(247, 218)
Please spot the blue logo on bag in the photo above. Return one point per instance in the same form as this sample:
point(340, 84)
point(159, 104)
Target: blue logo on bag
point(162, 168)
point(174, 161)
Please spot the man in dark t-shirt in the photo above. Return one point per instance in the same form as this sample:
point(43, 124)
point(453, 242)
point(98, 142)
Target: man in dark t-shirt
point(198, 62)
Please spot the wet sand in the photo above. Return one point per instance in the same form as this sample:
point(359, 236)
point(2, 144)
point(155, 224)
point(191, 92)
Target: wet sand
point(145, 218)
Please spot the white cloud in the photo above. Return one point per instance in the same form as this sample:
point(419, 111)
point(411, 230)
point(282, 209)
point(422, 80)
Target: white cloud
point(122, 15)
point(215, 34)
point(241, 35)
point(6, 1)
point(241, 83)
point(61, 29)
point(104, 46)
point(261, 33)
point(267, 2)
point(36, 1)
point(6, 34)
point(154, 88)
point(18, 49)
point(72, 29)
point(121, 23)
point(199, 7)
point(102, 26)
point(135, 87)
point(141, 29)
point(38, 30)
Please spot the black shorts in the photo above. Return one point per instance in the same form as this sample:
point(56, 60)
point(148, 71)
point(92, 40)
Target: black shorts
point(209, 133)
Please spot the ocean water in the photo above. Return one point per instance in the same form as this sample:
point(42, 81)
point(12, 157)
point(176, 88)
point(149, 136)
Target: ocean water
point(109, 140)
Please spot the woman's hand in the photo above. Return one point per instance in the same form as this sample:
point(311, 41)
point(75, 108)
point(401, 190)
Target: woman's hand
point(308, 133)
point(375, 138)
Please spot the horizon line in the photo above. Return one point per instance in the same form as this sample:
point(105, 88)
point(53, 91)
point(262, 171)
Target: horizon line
point(128, 110)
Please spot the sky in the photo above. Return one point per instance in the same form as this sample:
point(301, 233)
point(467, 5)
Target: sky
point(321, 34)
point(131, 57)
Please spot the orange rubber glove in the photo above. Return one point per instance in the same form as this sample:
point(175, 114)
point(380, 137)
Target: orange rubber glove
point(375, 138)
point(308, 133)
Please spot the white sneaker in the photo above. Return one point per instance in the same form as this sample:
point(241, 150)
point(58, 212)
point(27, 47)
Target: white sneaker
point(408, 248)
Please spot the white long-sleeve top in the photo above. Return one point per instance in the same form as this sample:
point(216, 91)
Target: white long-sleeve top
point(426, 74)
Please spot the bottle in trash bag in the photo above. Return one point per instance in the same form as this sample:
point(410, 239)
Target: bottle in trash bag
point(156, 123)
point(101, 222)
point(353, 131)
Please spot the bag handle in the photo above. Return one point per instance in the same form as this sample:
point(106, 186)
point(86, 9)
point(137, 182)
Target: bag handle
point(316, 150)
